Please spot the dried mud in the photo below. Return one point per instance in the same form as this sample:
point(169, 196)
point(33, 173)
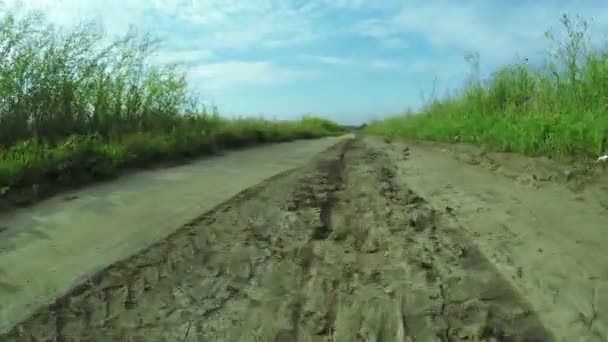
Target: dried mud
point(335, 251)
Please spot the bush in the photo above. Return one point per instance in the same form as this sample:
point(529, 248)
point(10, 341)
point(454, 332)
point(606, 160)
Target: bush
point(74, 110)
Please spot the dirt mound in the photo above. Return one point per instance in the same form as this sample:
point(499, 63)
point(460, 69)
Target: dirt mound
point(336, 251)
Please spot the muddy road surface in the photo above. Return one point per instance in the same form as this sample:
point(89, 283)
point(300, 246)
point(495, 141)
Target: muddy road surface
point(369, 241)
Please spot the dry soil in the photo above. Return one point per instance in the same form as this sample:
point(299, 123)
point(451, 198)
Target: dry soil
point(370, 241)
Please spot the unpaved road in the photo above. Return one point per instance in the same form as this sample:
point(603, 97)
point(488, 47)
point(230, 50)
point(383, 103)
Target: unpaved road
point(369, 242)
point(48, 249)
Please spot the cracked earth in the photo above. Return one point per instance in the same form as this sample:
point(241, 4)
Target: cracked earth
point(352, 247)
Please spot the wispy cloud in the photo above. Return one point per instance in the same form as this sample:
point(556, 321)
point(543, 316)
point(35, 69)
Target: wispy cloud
point(351, 62)
point(497, 31)
point(187, 57)
point(220, 76)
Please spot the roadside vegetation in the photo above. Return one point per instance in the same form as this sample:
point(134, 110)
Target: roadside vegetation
point(558, 108)
point(74, 110)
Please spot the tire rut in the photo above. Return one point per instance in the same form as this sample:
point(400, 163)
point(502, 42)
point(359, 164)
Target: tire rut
point(336, 251)
point(463, 278)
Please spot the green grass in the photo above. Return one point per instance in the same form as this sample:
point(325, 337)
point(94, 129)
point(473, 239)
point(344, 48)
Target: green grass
point(74, 110)
point(559, 108)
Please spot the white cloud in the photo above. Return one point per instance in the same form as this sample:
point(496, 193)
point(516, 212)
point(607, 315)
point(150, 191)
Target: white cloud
point(217, 77)
point(468, 28)
point(497, 31)
point(195, 32)
point(330, 60)
point(382, 30)
point(352, 62)
point(115, 16)
point(228, 24)
point(384, 64)
point(243, 25)
point(188, 56)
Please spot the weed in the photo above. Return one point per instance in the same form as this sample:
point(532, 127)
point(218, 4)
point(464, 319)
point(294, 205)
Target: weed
point(559, 108)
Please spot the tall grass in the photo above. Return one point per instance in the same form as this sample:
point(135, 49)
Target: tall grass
point(73, 109)
point(559, 108)
point(56, 83)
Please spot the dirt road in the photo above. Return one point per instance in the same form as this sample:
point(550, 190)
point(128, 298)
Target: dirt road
point(47, 249)
point(369, 242)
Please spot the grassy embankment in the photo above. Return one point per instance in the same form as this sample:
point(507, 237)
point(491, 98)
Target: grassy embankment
point(73, 110)
point(557, 109)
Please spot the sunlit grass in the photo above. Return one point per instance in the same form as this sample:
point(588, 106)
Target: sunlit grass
point(560, 108)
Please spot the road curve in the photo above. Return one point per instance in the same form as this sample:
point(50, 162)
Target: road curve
point(47, 249)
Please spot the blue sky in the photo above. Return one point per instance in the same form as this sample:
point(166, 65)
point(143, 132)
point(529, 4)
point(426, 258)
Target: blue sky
point(350, 60)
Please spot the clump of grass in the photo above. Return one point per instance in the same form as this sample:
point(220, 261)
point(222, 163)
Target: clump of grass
point(559, 108)
point(73, 110)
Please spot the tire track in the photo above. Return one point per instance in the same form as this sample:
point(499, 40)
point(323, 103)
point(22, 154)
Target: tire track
point(336, 251)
